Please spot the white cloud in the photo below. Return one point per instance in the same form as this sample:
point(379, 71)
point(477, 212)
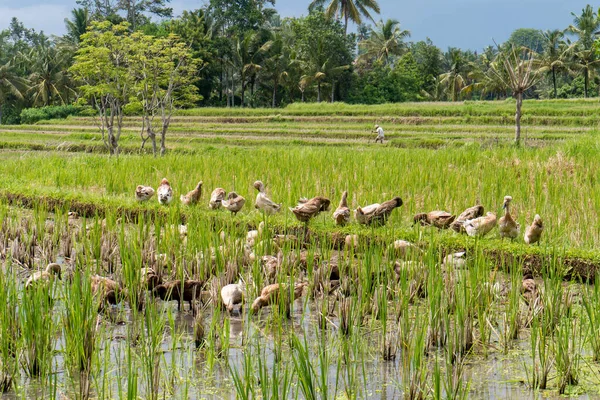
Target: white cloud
point(47, 17)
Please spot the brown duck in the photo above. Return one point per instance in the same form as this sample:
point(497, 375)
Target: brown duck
point(173, 291)
point(106, 290)
point(217, 196)
point(439, 219)
point(533, 233)
point(380, 215)
point(307, 210)
point(507, 226)
point(342, 214)
point(192, 197)
point(234, 202)
point(270, 295)
point(469, 213)
point(46, 275)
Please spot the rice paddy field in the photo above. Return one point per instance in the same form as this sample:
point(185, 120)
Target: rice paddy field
point(357, 314)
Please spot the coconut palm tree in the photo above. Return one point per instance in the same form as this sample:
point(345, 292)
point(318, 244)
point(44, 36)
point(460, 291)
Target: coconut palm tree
point(279, 60)
point(585, 26)
point(349, 10)
point(10, 84)
point(319, 68)
point(456, 77)
point(49, 82)
point(385, 40)
point(555, 57)
point(77, 25)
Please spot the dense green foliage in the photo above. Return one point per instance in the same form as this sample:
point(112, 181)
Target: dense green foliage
point(245, 54)
point(33, 115)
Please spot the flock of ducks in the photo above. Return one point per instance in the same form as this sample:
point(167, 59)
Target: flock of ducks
point(472, 221)
point(373, 214)
point(475, 224)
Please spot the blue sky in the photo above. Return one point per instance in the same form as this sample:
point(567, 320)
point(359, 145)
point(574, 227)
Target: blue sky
point(471, 24)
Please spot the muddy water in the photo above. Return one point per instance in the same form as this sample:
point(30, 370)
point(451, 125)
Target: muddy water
point(497, 376)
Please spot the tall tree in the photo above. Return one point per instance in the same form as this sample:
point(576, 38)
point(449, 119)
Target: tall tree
point(77, 25)
point(278, 61)
point(555, 55)
point(11, 84)
point(385, 40)
point(519, 75)
point(348, 10)
point(429, 61)
point(102, 68)
point(137, 10)
point(324, 51)
point(526, 37)
point(585, 26)
point(455, 79)
point(49, 82)
point(163, 71)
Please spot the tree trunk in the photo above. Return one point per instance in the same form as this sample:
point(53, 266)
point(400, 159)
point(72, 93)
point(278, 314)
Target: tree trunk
point(554, 80)
point(518, 118)
point(319, 92)
point(346, 24)
point(243, 92)
point(275, 93)
point(163, 136)
point(0, 114)
point(333, 91)
point(586, 82)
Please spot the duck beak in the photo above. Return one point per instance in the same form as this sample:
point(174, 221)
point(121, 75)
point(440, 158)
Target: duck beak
point(504, 206)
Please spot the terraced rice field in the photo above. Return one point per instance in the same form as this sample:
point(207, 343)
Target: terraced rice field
point(373, 321)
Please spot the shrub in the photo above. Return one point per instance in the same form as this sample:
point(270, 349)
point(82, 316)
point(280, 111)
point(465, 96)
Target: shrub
point(33, 115)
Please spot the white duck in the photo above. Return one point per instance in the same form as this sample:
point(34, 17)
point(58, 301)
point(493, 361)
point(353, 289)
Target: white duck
point(217, 196)
point(263, 202)
point(143, 193)
point(165, 192)
point(232, 295)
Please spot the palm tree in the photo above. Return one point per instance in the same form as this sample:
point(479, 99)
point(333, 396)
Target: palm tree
point(276, 67)
point(585, 26)
point(385, 40)
point(78, 24)
point(10, 84)
point(319, 68)
point(352, 10)
point(246, 61)
point(456, 77)
point(555, 56)
point(49, 82)
point(584, 60)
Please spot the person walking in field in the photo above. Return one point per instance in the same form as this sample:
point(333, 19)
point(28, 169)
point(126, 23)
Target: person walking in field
point(380, 135)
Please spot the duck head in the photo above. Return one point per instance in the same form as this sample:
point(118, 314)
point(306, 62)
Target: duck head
point(419, 217)
point(398, 201)
point(258, 185)
point(54, 269)
point(507, 200)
